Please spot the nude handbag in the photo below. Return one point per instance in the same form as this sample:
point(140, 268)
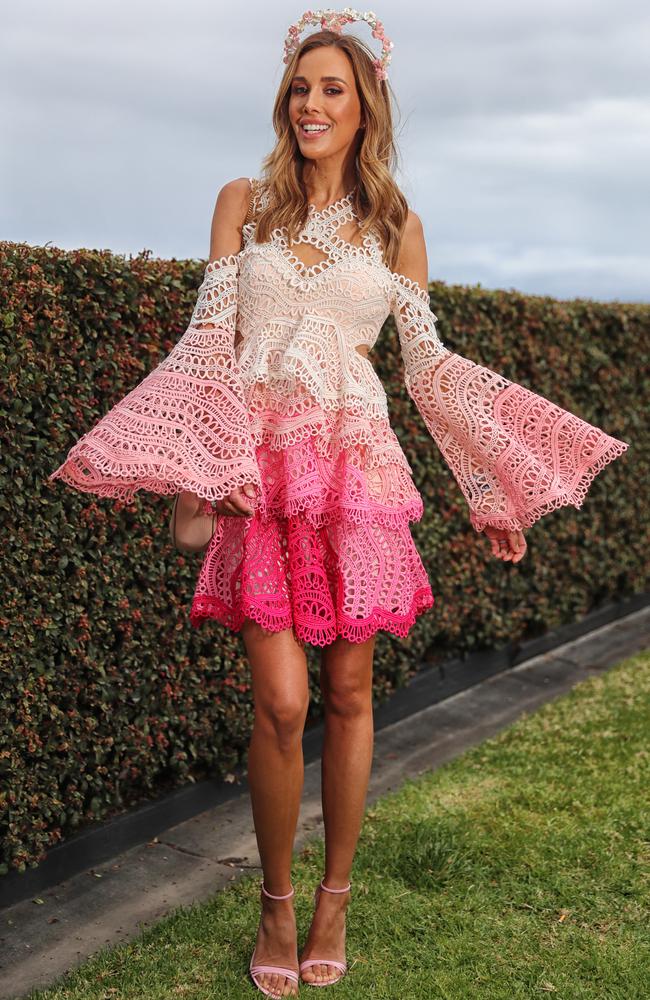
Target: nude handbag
point(189, 532)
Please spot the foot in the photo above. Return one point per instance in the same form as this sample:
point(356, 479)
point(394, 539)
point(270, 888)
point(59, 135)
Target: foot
point(326, 936)
point(277, 944)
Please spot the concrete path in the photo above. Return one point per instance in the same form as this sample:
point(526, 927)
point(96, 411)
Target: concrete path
point(193, 860)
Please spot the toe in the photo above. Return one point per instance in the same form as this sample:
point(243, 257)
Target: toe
point(309, 974)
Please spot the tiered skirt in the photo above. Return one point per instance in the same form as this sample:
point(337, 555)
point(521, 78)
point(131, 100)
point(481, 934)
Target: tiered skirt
point(328, 550)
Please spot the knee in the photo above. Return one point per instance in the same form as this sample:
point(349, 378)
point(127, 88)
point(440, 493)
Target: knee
point(284, 719)
point(348, 699)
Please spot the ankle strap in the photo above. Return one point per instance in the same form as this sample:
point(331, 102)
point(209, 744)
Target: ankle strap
point(271, 896)
point(348, 886)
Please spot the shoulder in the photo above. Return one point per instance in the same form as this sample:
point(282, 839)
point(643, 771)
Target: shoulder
point(412, 258)
point(230, 211)
point(234, 197)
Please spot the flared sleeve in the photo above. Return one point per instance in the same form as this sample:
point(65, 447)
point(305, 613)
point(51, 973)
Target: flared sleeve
point(514, 454)
point(185, 426)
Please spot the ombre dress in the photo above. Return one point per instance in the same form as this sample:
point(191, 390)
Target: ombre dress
point(270, 385)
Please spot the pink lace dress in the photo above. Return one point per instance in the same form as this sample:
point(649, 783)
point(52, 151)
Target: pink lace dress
point(270, 385)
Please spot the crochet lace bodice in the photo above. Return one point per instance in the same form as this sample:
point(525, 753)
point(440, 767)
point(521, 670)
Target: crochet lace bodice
point(315, 323)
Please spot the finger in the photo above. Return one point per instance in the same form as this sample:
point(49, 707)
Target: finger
point(240, 511)
point(240, 502)
point(228, 507)
point(517, 541)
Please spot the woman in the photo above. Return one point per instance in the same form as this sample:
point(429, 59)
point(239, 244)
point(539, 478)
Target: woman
point(269, 413)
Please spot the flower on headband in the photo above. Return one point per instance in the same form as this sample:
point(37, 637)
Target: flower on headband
point(333, 20)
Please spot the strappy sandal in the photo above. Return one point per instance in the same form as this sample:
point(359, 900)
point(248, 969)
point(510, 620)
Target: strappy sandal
point(258, 970)
point(341, 966)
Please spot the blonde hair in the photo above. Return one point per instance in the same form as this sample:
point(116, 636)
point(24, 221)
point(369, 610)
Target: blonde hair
point(379, 204)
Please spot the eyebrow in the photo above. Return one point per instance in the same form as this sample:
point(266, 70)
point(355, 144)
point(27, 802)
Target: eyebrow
point(322, 78)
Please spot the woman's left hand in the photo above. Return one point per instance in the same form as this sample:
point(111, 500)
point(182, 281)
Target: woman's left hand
point(506, 545)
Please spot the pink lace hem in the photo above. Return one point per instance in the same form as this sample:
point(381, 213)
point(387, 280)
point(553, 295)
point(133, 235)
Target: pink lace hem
point(205, 608)
point(342, 579)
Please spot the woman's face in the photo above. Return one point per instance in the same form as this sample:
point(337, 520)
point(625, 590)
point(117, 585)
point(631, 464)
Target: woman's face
point(332, 102)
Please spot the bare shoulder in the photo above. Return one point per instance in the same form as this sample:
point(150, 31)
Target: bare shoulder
point(412, 259)
point(228, 218)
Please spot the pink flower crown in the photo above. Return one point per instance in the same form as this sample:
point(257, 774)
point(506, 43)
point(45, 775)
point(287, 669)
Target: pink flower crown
point(333, 20)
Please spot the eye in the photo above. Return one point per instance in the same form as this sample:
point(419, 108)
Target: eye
point(334, 90)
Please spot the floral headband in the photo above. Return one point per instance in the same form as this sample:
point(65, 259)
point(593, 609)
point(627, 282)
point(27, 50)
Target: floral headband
point(333, 20)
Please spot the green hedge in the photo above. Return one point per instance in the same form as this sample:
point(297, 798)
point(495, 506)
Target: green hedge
point(109, 696)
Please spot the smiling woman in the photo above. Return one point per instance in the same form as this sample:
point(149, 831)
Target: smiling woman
point(269, 412)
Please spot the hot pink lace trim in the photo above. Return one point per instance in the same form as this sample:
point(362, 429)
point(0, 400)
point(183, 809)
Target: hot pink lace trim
point(342, 579)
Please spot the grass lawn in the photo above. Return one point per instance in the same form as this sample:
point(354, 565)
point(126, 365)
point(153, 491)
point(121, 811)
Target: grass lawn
point(518, 870)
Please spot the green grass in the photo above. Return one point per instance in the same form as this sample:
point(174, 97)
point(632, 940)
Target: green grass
point(517, 870)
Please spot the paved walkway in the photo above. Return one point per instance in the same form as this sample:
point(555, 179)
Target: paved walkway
point(191, 861)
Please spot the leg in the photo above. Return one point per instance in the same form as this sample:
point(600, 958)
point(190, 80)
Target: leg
point(275, 777)
point(346, 683)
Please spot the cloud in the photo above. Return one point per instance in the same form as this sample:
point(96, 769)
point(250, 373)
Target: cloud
point(523, 132)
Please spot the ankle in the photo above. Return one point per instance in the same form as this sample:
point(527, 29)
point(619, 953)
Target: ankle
point(276, 896)
point(332, 887)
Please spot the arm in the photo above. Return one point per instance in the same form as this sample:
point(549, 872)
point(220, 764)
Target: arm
point(185, 427)
point(514, 454)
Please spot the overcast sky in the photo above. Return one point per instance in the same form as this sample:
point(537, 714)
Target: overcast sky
point(524, 136)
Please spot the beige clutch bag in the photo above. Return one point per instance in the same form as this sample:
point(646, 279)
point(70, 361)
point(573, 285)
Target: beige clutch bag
point(188, 531)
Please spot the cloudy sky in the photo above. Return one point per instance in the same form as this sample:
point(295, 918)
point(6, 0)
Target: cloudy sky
point(524, 130)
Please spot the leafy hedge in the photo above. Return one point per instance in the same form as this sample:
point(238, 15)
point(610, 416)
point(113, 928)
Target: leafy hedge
point(108, 695)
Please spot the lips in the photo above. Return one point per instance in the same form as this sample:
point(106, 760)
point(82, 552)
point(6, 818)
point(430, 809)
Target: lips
point(316, 132)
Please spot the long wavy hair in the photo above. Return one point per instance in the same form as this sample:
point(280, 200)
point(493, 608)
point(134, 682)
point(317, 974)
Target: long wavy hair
point(379, 204)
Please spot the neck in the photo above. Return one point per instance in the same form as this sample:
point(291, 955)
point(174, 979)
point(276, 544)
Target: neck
point(323, 189)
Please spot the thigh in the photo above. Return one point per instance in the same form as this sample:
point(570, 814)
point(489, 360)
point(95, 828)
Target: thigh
point(278, 666)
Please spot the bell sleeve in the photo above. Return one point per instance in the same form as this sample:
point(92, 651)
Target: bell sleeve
point(514, 454)
point(185, 426)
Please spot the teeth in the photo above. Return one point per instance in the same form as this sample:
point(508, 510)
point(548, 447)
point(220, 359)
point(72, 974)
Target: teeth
point(315, 128)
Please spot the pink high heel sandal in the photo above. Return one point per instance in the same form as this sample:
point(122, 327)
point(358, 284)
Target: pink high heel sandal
point(258, 970)
point(342, 966)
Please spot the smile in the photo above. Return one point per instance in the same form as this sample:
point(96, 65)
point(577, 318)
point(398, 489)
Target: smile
point(310, 131)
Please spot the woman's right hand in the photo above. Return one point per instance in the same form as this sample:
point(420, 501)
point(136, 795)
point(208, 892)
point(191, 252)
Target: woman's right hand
point(237, 503)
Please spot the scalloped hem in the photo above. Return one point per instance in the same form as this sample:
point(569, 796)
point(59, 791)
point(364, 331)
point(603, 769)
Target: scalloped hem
point(574, 497)
point(354, 630)
point(88, 472)
point(343, 579)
